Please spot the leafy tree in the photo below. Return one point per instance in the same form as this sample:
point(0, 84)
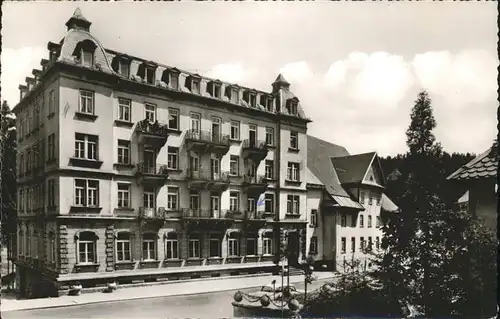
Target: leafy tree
point(9, 184)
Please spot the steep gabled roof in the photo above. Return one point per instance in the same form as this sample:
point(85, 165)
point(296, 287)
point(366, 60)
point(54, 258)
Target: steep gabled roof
point(482, 166)
point(352, 168)
point(320, 165)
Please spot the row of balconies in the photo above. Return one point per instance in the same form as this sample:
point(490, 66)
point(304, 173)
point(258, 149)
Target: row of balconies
point(200, 179)
point(156, 135)
point(160, 213)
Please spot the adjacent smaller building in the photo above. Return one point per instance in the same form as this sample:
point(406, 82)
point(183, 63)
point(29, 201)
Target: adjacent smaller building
point(479, 177)
point(346, 204)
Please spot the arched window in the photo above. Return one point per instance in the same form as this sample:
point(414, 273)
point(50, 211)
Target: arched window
point(233, 244)
point(123, 244)
point(86, 247)
point(149, 246)
point(171, 246)
point(267, 243)
point(84, 52)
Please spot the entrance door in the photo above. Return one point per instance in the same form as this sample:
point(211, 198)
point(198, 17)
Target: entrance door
point(293, 247)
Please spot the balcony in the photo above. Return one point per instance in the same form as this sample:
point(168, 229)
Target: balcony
point(152, 214)
point(197, 179)
point(255, 150)
point(206, 219)
point(207, 142)
point(219, 181)
point(151, 174)
point(254, 185)
point(154, 134)
point(257, 220)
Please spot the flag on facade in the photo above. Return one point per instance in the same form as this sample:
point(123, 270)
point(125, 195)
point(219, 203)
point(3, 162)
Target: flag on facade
point(261, 201)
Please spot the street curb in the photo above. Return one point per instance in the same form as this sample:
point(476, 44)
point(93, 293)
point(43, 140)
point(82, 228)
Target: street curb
point(154, 297)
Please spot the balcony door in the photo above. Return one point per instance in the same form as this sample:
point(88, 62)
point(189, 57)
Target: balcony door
point(252, 168)
point(149, 161)
point(195, 125)
point(195, 165)
point(149, 202)
point(215, 164)
point(194, 203)
point(215, 205)
point(252, 135)
point(216, 129)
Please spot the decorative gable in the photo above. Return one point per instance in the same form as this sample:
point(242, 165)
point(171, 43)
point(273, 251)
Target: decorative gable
point(373, 175)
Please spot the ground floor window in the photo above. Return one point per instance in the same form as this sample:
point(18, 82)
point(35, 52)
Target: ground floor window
point(171, 246)
point(123, 251)
point(194, 246)
point(267, 243)
point(215, 245)
point(87, 246)
point(149, 246)
point(251, 245)
point(233, 244)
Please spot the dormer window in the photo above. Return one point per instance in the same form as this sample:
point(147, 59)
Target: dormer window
point(193, 83)
point(232, 93)
point(214, 89)
point(84, 53)
point(124, 68)
point(267, 102)
point(291, 107)
point(171, 78)
point(149, 75)
point(147, 72)
point(250, 98)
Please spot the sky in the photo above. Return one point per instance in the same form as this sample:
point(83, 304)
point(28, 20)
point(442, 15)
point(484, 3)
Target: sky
point(356, 67)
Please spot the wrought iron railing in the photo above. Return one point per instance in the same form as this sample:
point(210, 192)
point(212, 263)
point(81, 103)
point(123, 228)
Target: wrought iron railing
point(154, 128)
point(254, 179)
point(254, 215)
point(152, 169)
point(207, 136)
point(254, 144)
point(152, 212)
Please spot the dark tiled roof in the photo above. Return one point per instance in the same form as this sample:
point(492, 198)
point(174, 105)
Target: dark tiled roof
point(318, 162)
point(483, 166)
point(352, 169)
point(281, 79)
point(287, 95)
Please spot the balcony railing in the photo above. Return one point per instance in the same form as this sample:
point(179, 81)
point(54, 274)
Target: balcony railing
point(152, 128)
point(254, 179)
point(207, 137)
point(254, 144)
point(253, 215)
point(211, 214)
point(152, 169)
point(151, 212)
point(197, 174)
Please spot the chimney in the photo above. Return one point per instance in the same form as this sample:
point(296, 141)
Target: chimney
point(30, 82)
point(78, 22)
point(36, 73)
point(44, 63)
point(23, 90)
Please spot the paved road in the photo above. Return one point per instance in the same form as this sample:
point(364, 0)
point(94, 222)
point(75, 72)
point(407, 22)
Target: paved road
point(202, 306)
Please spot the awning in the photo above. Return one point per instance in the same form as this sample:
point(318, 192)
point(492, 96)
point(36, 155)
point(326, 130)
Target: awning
point(347, 202)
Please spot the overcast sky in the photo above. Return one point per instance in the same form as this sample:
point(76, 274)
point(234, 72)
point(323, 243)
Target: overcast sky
point(356, 67)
